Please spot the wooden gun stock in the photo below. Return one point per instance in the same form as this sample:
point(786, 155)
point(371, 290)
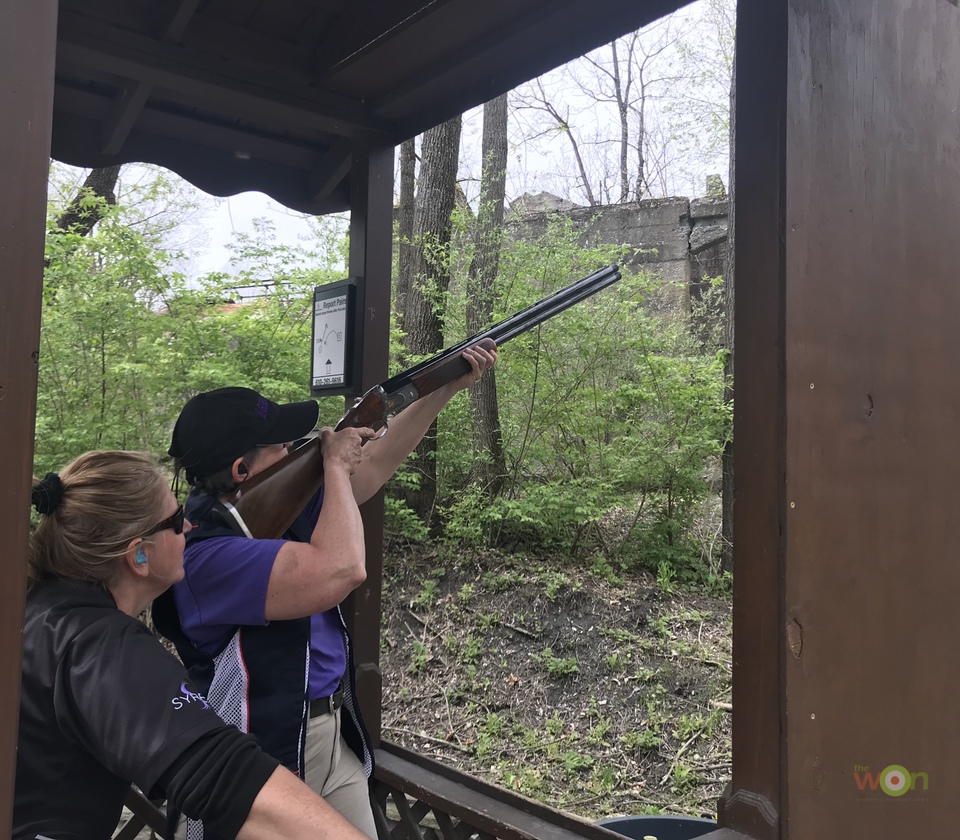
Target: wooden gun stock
point(270, 501)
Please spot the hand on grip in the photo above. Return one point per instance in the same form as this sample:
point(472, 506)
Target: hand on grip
point(344, 448)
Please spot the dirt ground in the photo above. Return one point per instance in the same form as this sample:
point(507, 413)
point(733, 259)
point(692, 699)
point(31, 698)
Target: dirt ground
point(592, 690)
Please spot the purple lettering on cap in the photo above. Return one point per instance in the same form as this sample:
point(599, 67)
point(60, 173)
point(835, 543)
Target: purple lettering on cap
point(261, 408)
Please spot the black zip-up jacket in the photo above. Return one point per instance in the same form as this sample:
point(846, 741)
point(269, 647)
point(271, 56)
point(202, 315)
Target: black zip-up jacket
point(102, 704)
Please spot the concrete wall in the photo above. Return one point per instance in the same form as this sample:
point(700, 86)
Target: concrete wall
point(678, 239)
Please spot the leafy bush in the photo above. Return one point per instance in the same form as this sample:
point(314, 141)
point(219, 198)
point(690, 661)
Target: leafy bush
point(602, 407)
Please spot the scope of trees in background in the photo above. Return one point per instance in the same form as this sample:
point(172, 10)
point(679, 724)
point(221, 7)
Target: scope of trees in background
point(598, 433)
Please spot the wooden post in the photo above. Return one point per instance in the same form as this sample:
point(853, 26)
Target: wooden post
point(846, 420)
point(752, 803)
point(371, 260)
point(28, 30)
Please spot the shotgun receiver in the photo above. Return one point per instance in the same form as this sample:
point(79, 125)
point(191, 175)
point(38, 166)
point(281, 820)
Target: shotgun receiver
point(270, 501)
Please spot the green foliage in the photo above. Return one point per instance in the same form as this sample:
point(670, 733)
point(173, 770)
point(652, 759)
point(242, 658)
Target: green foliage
point(601, 567)
point(502, 581)
point(419, 659)
point(573, 762)
point(427, 596)
point(556, 666)
point(603, 408)
point(125, 341)
point(102, 346)
point(643, 741)
point(555, 583)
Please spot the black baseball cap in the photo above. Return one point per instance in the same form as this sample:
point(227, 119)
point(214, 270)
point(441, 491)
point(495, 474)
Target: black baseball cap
point(217, 427)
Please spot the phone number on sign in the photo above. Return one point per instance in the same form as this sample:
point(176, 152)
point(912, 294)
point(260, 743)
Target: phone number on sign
point(328, 380)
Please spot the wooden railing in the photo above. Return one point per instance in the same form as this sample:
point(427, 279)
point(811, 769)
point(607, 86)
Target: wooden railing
point(416, 798)
point(144, 814)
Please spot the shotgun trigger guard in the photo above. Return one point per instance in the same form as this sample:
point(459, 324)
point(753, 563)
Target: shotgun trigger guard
point(381, 428)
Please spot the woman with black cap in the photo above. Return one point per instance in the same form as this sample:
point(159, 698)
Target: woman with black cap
point(252, 613)
point(102, 704)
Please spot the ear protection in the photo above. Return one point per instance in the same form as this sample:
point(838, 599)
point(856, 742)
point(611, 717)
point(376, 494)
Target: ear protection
point(141, 556)
point(242, 469)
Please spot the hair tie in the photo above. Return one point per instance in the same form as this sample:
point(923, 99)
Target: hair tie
point(48, 494)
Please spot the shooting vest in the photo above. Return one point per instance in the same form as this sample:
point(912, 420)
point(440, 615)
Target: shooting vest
point(259, 679)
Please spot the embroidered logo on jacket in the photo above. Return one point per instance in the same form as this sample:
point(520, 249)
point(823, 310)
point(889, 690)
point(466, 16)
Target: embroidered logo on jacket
point(187, 697)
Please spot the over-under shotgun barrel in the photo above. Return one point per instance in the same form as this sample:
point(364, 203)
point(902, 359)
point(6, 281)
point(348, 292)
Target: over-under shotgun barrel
point(271, 500)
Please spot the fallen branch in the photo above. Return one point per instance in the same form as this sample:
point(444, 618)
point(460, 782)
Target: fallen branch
point(440, 741)
point(676, 758)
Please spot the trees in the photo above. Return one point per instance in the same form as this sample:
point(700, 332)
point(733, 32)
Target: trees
point(125, 341)
point(700, 113)
point(490, 468)
point(642, 117)
point(430, 277)
point(99, 371)
point(603, 409)
point(605, 107)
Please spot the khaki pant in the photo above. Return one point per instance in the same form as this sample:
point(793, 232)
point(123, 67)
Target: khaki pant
point(334, 772)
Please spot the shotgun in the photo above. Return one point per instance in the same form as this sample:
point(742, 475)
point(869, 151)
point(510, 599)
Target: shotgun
point(270, 501)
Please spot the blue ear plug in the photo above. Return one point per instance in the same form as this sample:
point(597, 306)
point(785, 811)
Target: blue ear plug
point(141, 557)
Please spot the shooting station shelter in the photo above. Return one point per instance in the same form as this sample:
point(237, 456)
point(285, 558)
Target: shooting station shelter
point(847, 206)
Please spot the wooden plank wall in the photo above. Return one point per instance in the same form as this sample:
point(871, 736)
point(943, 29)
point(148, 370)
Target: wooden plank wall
point(872, 325)
point(28, 31)
point(848, 402)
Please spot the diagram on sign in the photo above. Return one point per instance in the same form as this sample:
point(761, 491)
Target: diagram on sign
point(329, 326)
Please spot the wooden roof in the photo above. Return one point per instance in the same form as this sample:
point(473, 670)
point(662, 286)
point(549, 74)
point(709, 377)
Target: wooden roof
point(271, 95)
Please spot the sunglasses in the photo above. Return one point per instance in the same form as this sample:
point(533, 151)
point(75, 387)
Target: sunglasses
point(175, 522)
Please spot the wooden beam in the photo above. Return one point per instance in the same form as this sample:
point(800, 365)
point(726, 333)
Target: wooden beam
point(331, 170)
point(371, 261)
point(753, 801)
point(248, 48)
point(451, 52)
point(198, 80)
point(28, 30)
point(134, 95)
point(847, 400)
point(241, 142)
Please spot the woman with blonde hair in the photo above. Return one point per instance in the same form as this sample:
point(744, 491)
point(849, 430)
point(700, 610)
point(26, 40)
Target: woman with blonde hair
point(102, 704)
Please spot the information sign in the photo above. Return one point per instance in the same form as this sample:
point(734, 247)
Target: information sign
point(333, 313)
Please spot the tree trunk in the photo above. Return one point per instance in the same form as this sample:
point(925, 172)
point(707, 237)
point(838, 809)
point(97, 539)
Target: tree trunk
point(490, 466)
point(728, 306)
point(405, 216)
point(82, 220)
point(426, 299)
point(101, 183)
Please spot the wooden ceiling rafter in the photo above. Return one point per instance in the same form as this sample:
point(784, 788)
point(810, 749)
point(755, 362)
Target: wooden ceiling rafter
point(278, 95)
point(347, 40)
point(246, 47)
point(330, 172)
point(245, 141)
point(197, 79)
point(481, 48)
point(134, 94)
